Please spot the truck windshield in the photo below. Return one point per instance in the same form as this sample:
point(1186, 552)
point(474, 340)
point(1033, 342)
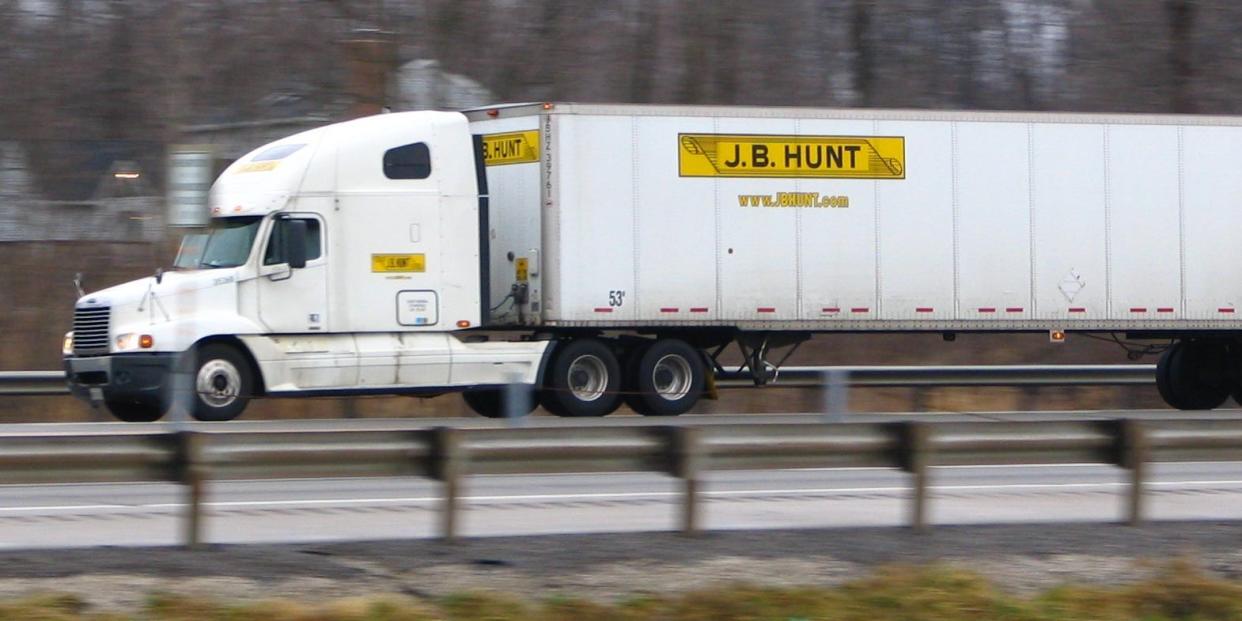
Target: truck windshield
point(226, 243)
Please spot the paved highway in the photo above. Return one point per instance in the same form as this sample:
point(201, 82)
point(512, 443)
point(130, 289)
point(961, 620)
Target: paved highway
point(352, 509)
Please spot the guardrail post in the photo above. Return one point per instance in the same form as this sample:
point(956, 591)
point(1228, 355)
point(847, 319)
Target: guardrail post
point(516, 400)
point(447, 464)
point(836, 394)
point(190, 474)
point(686, 452)
point(1133, 453)
point(914, 442)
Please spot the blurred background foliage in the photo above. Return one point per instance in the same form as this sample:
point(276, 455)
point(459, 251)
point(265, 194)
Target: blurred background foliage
point(90, 87)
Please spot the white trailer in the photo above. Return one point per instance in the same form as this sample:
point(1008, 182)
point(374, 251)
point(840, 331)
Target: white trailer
point(596, 252)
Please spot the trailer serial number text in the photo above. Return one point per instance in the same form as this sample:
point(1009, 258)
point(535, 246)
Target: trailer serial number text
point(794, 199)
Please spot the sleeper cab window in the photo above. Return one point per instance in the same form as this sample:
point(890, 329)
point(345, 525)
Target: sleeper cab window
point(275, 255)
point(412, 161)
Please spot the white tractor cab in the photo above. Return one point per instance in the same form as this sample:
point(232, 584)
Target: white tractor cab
point(343, 260)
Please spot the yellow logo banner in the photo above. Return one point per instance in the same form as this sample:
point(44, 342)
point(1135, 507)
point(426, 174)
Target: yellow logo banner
point(827, 157)
point(511, 148)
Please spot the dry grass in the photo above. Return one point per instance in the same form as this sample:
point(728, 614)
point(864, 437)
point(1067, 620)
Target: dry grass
point(934, 593)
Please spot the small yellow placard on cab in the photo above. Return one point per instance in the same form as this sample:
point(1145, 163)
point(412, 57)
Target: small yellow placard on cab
point(398, 263)
point(522, 266)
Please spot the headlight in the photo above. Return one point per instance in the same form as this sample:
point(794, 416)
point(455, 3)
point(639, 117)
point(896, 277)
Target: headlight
point(66, 346)
point(133, 340)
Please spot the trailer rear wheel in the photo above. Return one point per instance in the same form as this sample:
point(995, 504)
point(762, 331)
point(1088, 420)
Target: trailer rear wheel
point(583, 379)
point(668, 378)
point(1192, 375)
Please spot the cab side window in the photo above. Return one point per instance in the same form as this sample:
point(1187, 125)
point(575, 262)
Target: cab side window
point(273, 255)
point(412, 161)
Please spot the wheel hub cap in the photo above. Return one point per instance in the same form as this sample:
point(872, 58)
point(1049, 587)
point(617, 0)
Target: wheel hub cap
point(672, 377)
point(218, 383)
point(588, 378)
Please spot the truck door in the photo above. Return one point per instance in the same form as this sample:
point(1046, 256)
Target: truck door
point(294, 300)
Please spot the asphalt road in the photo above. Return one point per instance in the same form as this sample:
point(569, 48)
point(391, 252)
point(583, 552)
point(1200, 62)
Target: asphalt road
point(352, 509)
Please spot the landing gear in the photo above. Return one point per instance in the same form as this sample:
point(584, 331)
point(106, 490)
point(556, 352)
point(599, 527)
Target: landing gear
point(1197, 375)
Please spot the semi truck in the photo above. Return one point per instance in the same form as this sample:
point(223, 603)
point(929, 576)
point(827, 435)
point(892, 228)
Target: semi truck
point(595, 255)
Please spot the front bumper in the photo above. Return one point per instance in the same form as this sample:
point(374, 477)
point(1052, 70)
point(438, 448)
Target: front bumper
point(141, 377)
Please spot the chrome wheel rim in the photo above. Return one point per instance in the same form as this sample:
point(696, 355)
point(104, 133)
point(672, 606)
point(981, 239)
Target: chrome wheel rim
point(588, 378)
point(218, 383)
point(671, 376)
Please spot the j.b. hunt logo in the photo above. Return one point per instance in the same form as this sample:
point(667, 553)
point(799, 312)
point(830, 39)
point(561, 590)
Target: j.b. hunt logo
point(828, 157)
point(511, 148)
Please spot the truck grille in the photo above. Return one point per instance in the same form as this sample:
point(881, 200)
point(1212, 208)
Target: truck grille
point(90, 330)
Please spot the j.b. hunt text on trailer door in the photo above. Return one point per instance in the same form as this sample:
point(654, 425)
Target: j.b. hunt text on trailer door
point(828, 157)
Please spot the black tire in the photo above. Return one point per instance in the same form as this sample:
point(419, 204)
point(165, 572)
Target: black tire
point(669, 378)
point(582, 379)
point(1193, 376)
point(132, 411)
point(1164, 376)
point(221, 381)
point(629, 375)
point(490, 402)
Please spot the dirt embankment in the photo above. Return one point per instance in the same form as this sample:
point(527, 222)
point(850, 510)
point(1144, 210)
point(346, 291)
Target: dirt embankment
point(1021, 559)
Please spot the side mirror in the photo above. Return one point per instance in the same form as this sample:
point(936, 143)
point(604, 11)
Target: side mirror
point(294, 241)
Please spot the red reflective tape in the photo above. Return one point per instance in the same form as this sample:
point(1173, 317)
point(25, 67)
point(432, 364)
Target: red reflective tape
point(603, 309)
point(1164, 310)
point(1013, 309)
point(924, 309)
point(832, 310)
point(698, 309)
point(1138, 310)
point(668, 309)
point(988, 309)
point(1224, 310)
point(1078, 309)
point(766, 309)
point(860, 310)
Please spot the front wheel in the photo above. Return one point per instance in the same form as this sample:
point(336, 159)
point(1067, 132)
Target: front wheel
point(223, 383)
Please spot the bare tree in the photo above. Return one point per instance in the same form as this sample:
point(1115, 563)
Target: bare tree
point(864, 56)
point(1181, 15)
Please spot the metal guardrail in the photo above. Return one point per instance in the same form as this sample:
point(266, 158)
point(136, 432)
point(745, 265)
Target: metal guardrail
point(448, 455)
point(52, 383)
point(33, 384)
